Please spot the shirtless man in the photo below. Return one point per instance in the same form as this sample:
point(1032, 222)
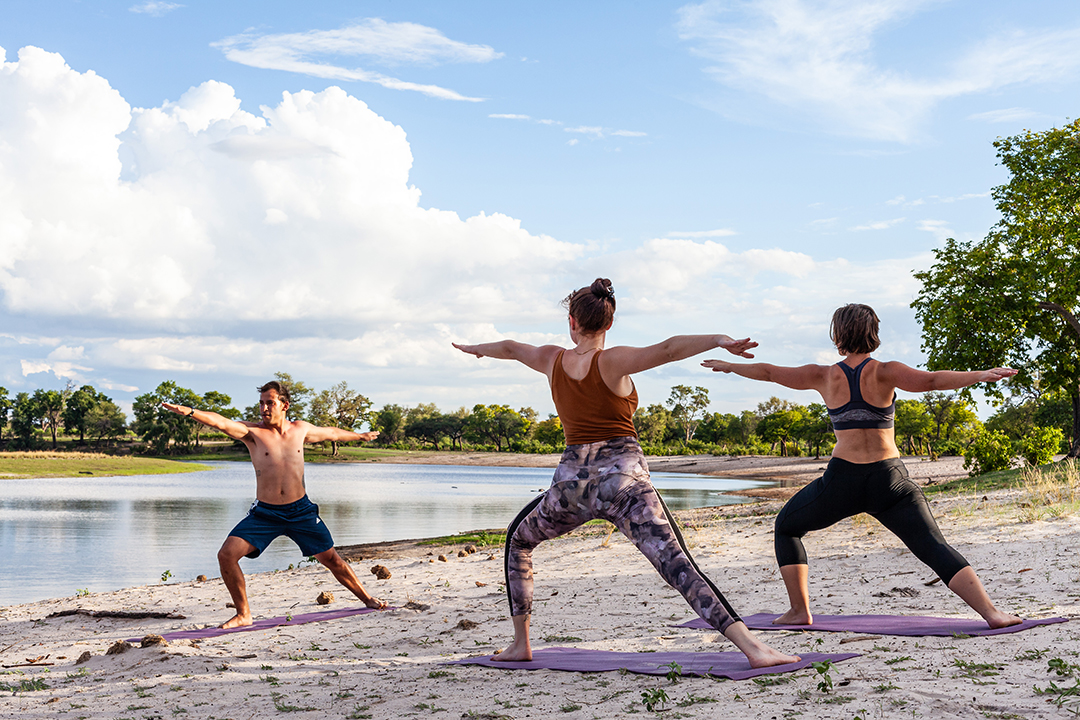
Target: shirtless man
point(276, 446)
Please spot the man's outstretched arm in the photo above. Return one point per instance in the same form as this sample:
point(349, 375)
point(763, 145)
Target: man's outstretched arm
point(321, 434)
point(233, 428)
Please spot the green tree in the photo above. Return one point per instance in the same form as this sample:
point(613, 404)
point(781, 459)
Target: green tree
point(952, 418)
point(688, 405)
point(78, 404)
point(456, 424)
point(550, 431)
point(430, 428)
point(652, 424)
point(5, 408)
point(774, 405)
point(497, 424)
point(814, 428)
point(1011, 298)
point(913, 425)
point(390, 422)
point(49, 405)
point(742, 429)
point(340, 407)
point(105, 421)
point(23, 416)
point(778, 428)
point(164, 431)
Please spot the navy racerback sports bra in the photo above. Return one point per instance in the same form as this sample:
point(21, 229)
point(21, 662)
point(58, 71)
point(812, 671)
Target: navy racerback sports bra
point(856, 412)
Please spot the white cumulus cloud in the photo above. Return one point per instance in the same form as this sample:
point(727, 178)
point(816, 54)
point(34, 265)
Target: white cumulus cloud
point(302, 213)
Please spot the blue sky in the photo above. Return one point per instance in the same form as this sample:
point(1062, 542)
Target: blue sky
point(210, 193)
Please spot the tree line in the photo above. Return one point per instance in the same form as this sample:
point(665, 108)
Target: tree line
point(935, 424)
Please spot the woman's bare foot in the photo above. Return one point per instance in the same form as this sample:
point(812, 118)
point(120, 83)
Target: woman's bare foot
point(237, 620)
point(375, 603)
point(766, 656)
point(1000, 620)
point(795, 617)
point(515, 652)
point(758, 653)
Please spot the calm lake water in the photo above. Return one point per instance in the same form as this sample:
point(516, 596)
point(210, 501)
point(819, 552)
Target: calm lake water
point(60, 535)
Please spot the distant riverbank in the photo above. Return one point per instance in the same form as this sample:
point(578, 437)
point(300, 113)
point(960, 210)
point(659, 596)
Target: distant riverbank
point(39, 464)
point(791, 473)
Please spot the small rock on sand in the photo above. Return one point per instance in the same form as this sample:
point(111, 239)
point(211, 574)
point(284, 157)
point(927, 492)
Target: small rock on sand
point(470, 549)
point(381, 572)
point(200, 578)
point(442, 558)
point(120, 646)
point(150, 640)
point(464, 624)
point(325, 598)
point(85, 657)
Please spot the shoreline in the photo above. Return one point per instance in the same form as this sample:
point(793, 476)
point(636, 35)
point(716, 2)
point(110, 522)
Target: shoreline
point(590, 593)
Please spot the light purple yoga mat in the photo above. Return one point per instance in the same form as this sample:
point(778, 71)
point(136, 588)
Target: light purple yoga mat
point(731, 665)
point(266, 624)
point(910, 625)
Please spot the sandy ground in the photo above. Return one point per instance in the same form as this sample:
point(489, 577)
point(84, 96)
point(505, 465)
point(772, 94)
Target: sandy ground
point(589, 594)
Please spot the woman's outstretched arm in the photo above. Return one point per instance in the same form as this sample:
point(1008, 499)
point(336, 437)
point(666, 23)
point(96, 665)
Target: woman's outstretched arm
point(909, 379)
point(539, 358)
point(804, 377)
point(619, 361)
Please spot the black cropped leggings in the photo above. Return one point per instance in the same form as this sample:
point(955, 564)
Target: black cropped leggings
point(882, 490)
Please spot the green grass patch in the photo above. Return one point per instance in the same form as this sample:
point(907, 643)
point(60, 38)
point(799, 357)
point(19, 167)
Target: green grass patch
point(998, 480)
point(479, 538)
point(37, 464)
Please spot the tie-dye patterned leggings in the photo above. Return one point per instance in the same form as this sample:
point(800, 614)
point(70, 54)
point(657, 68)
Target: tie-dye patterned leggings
point(609, 480)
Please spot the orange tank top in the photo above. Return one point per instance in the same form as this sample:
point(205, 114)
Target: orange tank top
point(589, 411)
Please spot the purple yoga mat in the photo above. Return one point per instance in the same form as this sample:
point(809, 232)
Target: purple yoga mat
point(266, 624)
point(911, 625)
point(731, 665)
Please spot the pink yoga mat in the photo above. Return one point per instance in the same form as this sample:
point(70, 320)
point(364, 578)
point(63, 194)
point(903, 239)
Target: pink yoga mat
point(731, 665)
point(267, 623)
point(909, 625)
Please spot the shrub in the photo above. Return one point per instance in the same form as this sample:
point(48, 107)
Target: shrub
point(991, 450)
point(1040, 445)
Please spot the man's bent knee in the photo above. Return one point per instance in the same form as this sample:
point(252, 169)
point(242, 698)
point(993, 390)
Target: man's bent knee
point(331, 559)
point(233, 549)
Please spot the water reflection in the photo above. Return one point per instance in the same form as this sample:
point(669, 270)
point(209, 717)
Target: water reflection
point(61, 535)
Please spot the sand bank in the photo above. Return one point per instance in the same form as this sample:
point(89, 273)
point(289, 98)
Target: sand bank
point(592, 595)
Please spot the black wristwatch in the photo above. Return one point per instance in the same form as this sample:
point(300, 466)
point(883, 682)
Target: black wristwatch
point(192, 413)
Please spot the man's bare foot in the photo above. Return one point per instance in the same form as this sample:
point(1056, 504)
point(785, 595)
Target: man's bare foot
point(375, 603)
point(514, 653)
point(795, 617)
point(1000, 620)
point(237, 620)
point(765, 656)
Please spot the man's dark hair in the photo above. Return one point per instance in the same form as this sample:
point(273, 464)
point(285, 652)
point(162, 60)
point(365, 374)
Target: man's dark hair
point(854, 329)
point(277, 387)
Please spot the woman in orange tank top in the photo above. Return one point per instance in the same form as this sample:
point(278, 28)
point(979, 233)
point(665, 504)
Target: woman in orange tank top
point(603, 473)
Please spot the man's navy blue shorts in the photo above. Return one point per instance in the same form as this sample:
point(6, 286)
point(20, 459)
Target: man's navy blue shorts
point(299, 521)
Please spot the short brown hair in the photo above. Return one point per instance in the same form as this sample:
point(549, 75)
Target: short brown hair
point(281, 390)
point(593, 307)
point(854, 329)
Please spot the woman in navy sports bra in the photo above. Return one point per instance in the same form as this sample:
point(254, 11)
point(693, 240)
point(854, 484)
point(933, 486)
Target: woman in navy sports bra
point(865, 473)
point(603, 473)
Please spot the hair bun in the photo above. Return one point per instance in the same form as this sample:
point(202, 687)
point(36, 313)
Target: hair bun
point(601, 288)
